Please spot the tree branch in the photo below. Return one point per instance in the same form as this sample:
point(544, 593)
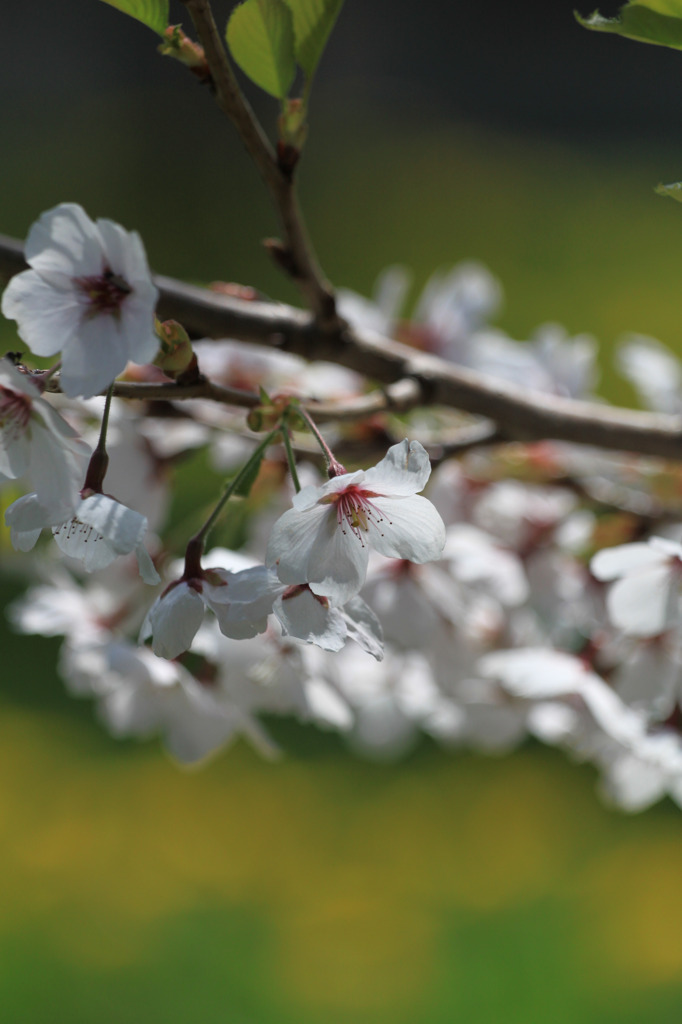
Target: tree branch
point(399, 397)
point(520, 415)
point(297, 255)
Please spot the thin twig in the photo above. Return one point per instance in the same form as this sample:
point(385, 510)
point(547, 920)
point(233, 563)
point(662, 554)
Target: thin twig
point(297, 256)
point(363, 450)
point(520, 415)
point(399, 397)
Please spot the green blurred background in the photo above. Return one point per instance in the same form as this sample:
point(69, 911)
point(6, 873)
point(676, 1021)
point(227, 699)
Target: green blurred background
point(323, 888)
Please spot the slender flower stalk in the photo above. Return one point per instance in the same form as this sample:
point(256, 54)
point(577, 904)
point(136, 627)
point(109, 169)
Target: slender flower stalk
point(286, 439)
point(334, 467)
point(234, 484)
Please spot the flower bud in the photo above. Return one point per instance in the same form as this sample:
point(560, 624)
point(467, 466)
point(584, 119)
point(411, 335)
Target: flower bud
point(176, 356)
point(179, 46)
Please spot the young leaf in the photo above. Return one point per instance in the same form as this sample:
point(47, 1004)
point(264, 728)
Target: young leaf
point(648, 21)
point(673, 190)
point(260, 35)
point(250, 475)
point(313, 21)
point(153, 13)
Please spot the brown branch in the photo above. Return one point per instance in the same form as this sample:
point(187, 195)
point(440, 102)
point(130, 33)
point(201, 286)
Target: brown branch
point(297, 255)
point(519, 414)
point(399, 397)
point(355, 450)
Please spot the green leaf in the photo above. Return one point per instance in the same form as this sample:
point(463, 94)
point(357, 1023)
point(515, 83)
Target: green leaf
point(260, 35)
point(153, 13)
point(313, 21)
point(249, 475)
point(674, 190)
point(648, 21)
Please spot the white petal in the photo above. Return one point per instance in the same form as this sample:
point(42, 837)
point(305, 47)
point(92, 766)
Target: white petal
point(146, 566)
point(27, 513)
point(256, 586)
point(326, 705)
point(58, 469)
point(669, 548)
point(64, 243)
point(47, 319)
point(645, 603)
point(411, 528)
point(314, 621)
point(654, 371)
point(15, 452)
point(311, 547)
point(25, 518)
point(137, 327)
point(610, 563)
point(632, 784)
point(364, 627)
point(94, 357)
point(243, 605)
point(123, 528)
point(80, 540)
point(173, 621)
point(403, 470)
point(534, 672)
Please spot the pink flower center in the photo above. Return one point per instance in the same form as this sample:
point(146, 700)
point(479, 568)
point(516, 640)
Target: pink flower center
point(104, 293)
point(355, 510)
point(15, 411)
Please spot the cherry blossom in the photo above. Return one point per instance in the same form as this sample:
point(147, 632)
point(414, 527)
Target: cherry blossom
point(645, 600)
point(175, 617)
point(242, 602)
point(37, 441)
point(101, 530)
point(268, 674)
point(140, 695)
point(380, 313)
point(324, 539)
point(654, 371)
point(88, 295)
point(454, 305)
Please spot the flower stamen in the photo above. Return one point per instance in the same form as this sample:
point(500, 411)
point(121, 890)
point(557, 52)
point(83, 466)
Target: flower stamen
point(354, 507)
point(104, 293)
point(75, 526)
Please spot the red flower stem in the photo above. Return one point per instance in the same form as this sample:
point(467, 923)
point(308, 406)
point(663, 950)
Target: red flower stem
point(334, 467)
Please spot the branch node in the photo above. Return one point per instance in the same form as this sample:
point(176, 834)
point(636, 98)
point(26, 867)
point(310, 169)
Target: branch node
point(283, 257)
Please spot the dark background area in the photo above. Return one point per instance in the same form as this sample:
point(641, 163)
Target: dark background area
point(529, 66)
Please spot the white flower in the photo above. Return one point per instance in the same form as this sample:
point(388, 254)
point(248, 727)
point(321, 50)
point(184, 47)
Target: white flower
point(175, 617)
point(269, 675)
point(380, 313)
point(646, 599)
point(654, 371)
point(100, 531)
point(456, 303)
point(88, 295)
point(242, 601)
point(140, 695)
point(34, 439)
point(540, 674)
point(301, 613)
point(324, 539)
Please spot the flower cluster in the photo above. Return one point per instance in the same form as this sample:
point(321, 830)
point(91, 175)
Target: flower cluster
point(531, 590)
